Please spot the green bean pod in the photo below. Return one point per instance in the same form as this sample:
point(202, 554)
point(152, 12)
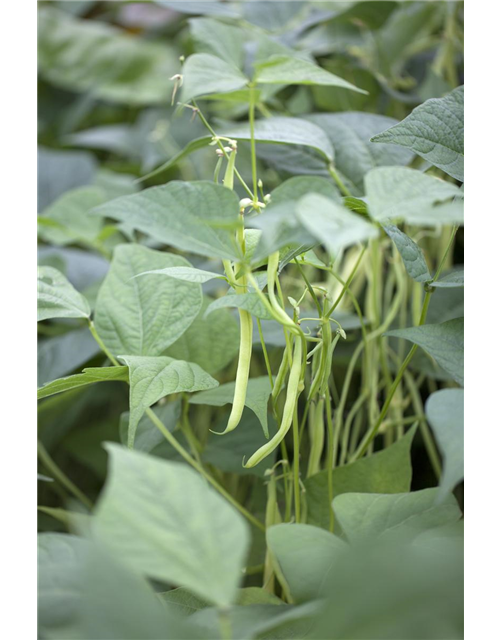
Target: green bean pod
point(282, 371)
point(292, 393)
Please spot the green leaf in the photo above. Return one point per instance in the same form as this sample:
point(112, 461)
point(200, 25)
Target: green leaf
point(69, 213)
point(205, 74)
point(366, 516)
point(283, 130)
point(248, 301)
point(113, 65)
point(147, 435)
point(222, 40)
point(388, 471)
point(57, 298)
point(283, 69)
point(257, 595)
point(182, 215)
point(355, 155)
point(298, 186)
point(445, 412)
point(202, 7)
point(144, 316)
point(305, 555)
point(332, 224)
point(434, 130)
point(164, 520)
point(258, 392)
point(444, 342)
point(412, 255)
point(451, 280)
point(412, 196)
point(187, 274)
point(152, 378)
point(88, 376)
point(183, 602)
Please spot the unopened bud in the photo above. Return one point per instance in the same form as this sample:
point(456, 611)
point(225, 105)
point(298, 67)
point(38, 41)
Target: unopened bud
point(245, 202)
point(260, 184)
point(267, 198)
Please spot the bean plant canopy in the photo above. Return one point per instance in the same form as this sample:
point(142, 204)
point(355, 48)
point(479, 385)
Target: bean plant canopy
point(250, 320)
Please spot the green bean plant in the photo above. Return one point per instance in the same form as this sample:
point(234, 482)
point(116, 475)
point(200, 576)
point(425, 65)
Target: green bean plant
point(289, 255)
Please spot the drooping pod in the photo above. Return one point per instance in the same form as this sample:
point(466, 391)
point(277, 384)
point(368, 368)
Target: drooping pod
point(292, 393)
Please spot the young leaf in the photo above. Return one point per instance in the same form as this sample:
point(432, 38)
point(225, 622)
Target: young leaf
point(434, 130)
point(387, 471)
point(57, 298)
point(366, 516)
point(283, 69)
point(144, 316)
point(452, 280)
point(444, 342)
point(88, 376)
point(205, 74)
point(211, 341)
point(412, 196)
point(445, 412)
point(166, 522)
point(251, 302)
point(154, 378)
point(258, 392)
point(305, 555)
point(180, 215)
point(412, 255)
point(187, 274)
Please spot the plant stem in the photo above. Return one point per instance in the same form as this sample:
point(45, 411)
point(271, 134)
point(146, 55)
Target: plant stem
point(251, 118)
point(59, 474)
point(330, 457)
point(296, 464)
point(338, 181)
point(103, 347)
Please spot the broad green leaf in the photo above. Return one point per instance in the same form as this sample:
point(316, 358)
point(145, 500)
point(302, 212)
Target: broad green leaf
point(283, 69)
point(164, 520)
point(298, 186)
point(152, 378)
point(147, 435)
point(144, 316)
point(387, 471)
point(412, 255)
point(70, 215)
point(112, 65)
point(57, 298)
point(187, 274)
point(283, 130)
point(227, 453)
point(182, 601)
point(191, 147)
point(251, 302)
point(444, 342)
point(222, 40)
point(211, 342)
point(355, 155)
point(434, 130)
point(182, 215)
point(332, 224)
point(204, 74)
point(445, 412)
point(412, 196)
point(88, 376)
point(305, 555)
point(258, 392)
point(60, 559)
point(366, 516)
point(451, 280)
point(257, 595)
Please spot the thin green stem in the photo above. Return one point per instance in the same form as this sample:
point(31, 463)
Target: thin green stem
point(330, 457)
point(251, 118)
point(338, 181)
point(296, 464)
point(309, 288)
point(101, 344)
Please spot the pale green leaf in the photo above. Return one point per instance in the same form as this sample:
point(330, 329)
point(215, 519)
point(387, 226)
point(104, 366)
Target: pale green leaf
point(187, 274)
point(434, 130)
point(147, 435)
point(251, 302)
point(366, 516)
point(444, 342)
point(182, 215)
point(451, 280)
point(88, 376)
point(204, 74)
point(412, 255)
point(57, 298)
point(257, 595)
point(283, 69)
point(445, 412)
point(152, 378)
point(412, 196)
point(202, 7)
point(298, 186)
point(211, 342)
point(387, 471)
point(305, 555)
point(112, 64)
point(222, 40)
point(164, 520)
point(258, 392)
point(144, 316)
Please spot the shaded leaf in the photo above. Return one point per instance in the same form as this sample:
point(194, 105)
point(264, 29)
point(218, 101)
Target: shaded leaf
point(412, 255)
point(147, 435)
point(248, 301)
point(188, 274)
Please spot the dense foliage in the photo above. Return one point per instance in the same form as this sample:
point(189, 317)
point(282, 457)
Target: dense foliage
point(250, 305)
